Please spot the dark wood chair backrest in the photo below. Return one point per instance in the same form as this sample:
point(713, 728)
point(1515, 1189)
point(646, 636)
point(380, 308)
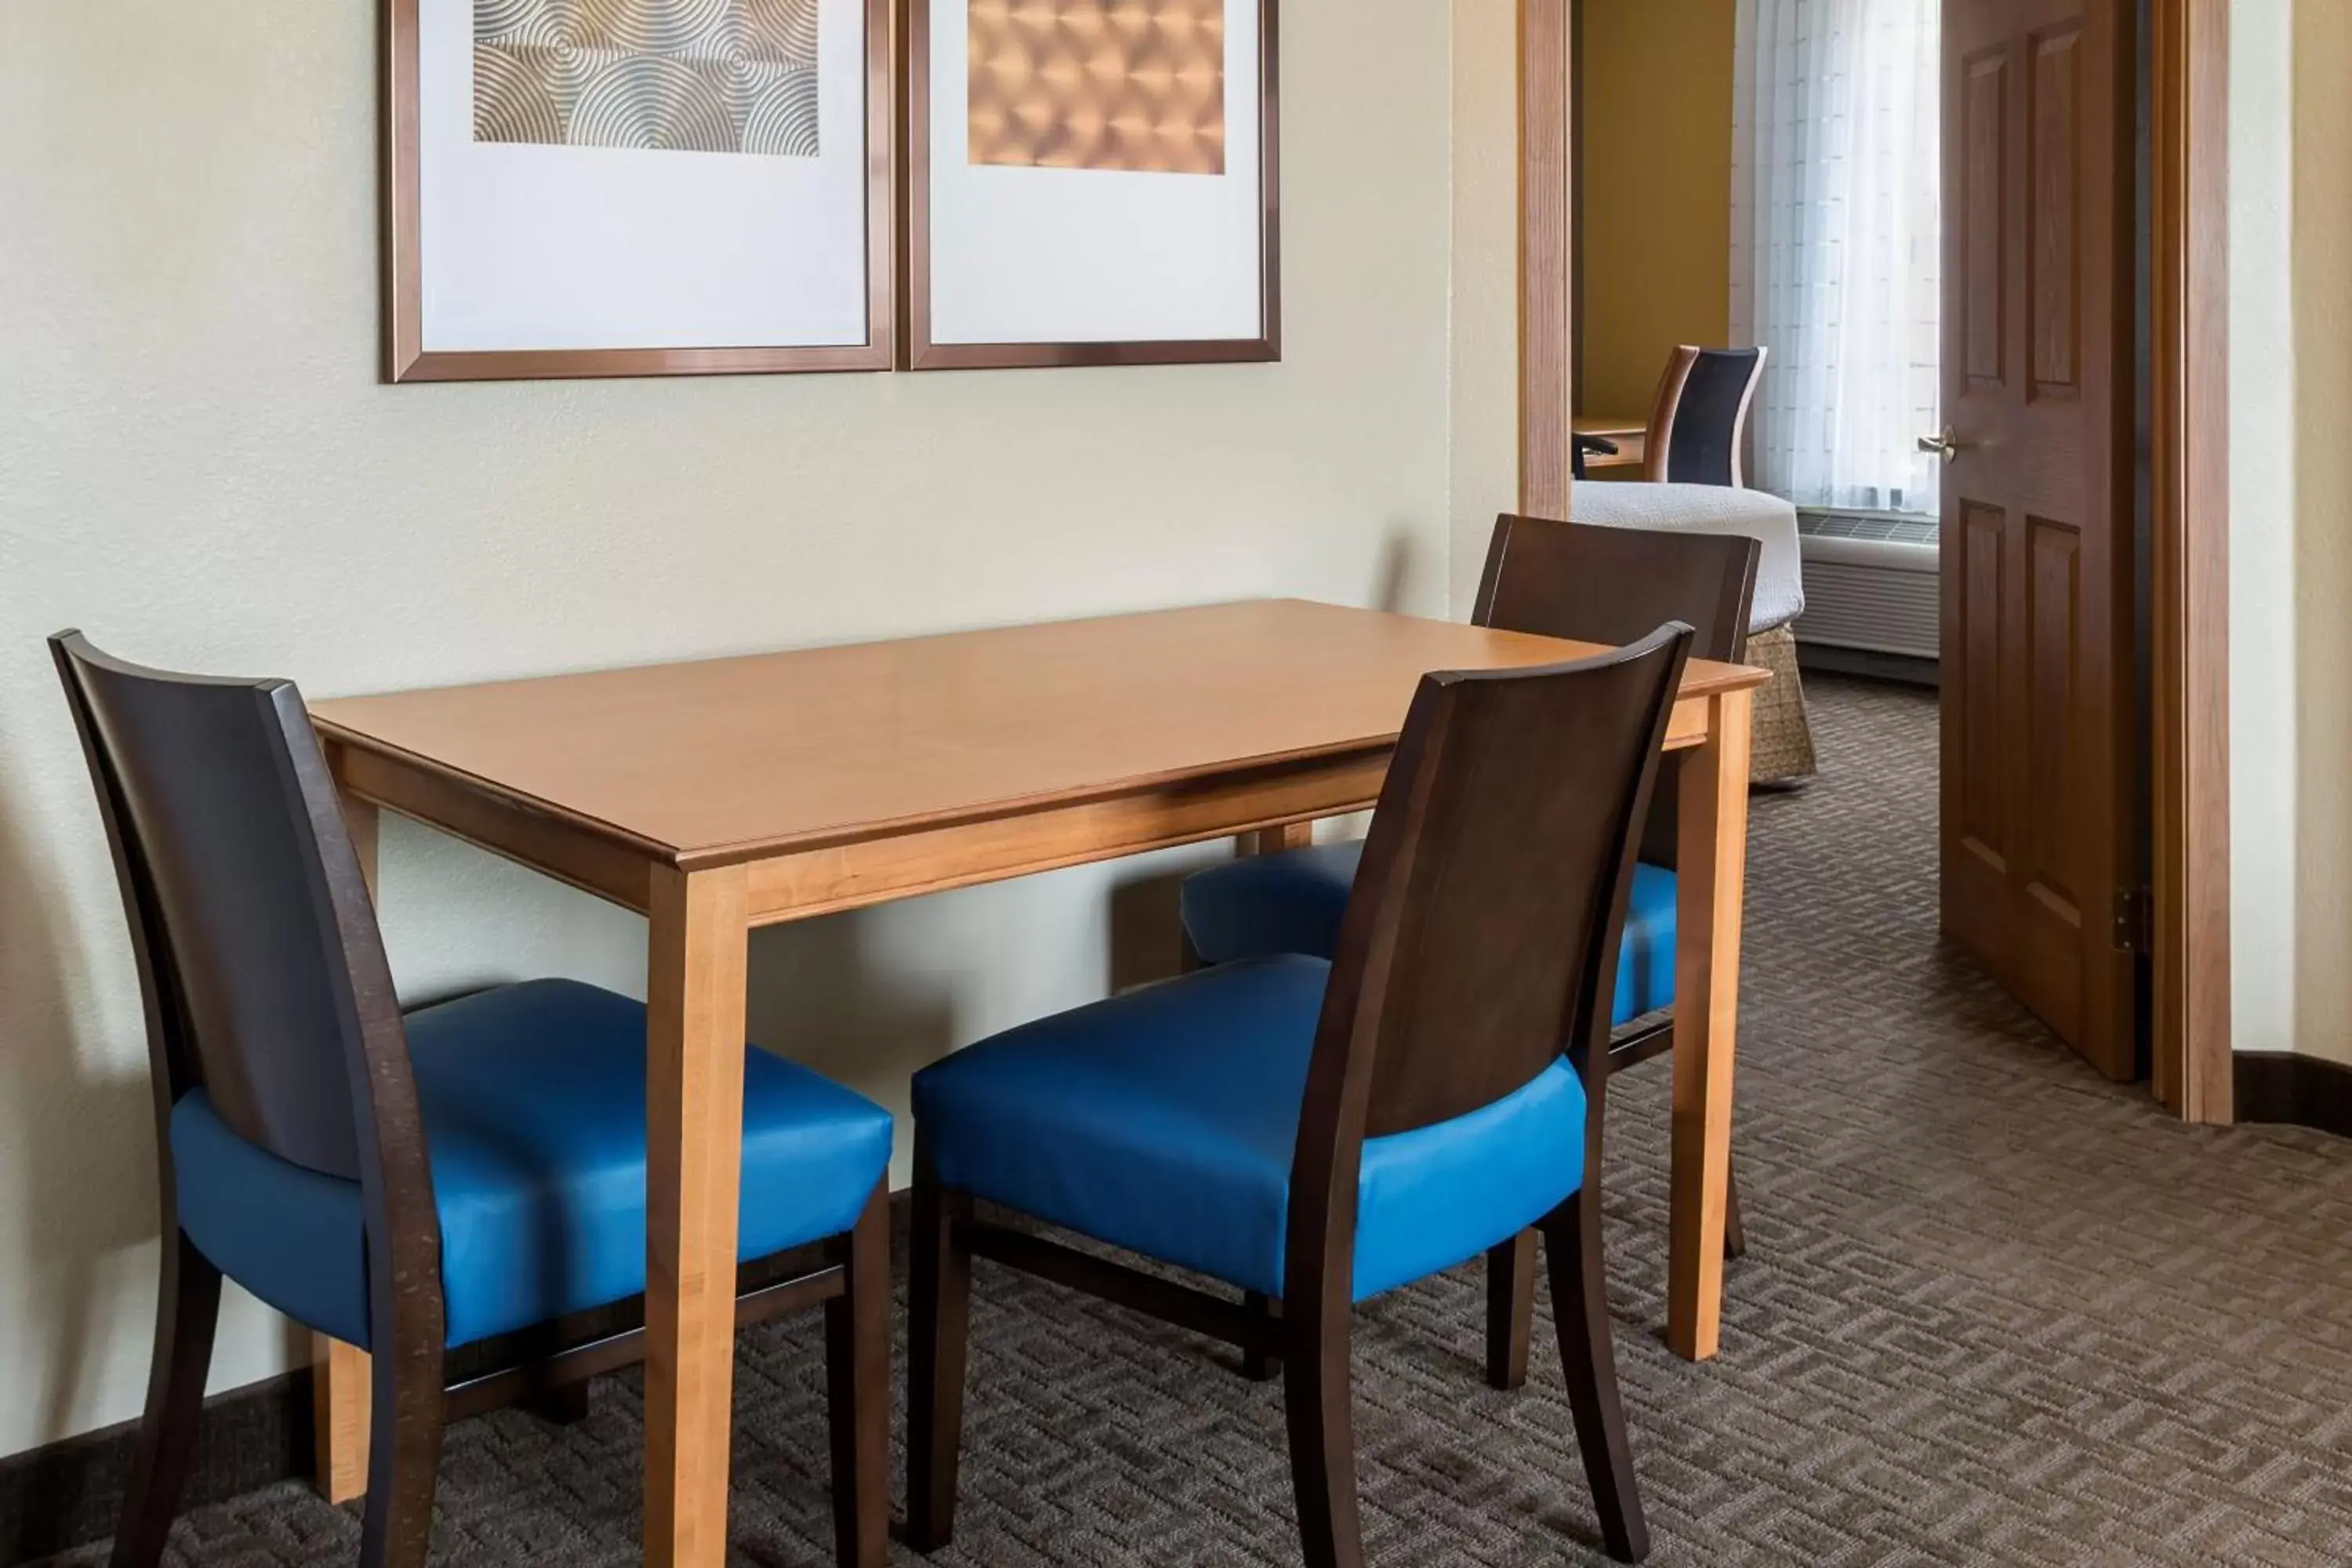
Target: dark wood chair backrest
point(1612, 585)
point(1698, 427)
point(1616, 585)
point(1482, 933)
point(258, 948)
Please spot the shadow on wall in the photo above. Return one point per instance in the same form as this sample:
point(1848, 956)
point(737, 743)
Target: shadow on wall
point(1147, 937)
point(1392, 573)
point(820, 995)
point(83, 1237)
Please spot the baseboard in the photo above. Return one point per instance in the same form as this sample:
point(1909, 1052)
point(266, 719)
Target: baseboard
point(2294, 1090)
point(1815, 657)
point(68, 1494)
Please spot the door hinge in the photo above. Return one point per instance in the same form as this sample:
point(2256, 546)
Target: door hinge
point(2135, 929)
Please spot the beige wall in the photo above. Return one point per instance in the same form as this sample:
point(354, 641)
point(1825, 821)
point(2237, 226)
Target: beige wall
point(2261, 525)
point(2290, 526)
point(198, 466)
point(1485, 390)
point(2322, 206)
point(1657, 190)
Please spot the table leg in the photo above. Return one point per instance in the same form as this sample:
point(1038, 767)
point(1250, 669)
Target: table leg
point(694, 1152)
point(339, 1417)
point(1275, 840)
point(339, 1372)
point(1711, 880)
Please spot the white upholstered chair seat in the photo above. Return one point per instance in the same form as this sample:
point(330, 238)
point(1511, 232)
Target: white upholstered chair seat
point(1710, 509)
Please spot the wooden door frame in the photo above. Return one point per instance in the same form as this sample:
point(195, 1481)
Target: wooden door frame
point(2189, 465)
point(2190, 556)
point(1547, 266)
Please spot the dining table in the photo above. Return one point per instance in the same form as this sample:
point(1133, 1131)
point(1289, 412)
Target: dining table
point(719, 795)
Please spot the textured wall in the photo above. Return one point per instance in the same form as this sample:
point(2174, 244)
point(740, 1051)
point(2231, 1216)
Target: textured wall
point(198, 466)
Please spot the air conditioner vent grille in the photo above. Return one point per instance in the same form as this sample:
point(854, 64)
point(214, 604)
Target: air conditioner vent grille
point(1872, 583)
point(1882, 529)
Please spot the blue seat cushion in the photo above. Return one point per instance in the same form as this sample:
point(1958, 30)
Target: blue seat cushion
point(1163, 1121)
point(534, 1105)
point(1292, 902)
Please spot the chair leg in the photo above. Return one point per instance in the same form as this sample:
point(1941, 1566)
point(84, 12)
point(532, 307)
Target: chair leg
point(186, 1307)
point(404, 1455)
point(938, 1333)
point(1259, 1367)
point(565, 1405)
point(1510, 1310)
point(1579, 1304)
point(857, 1388)
point(1315, 1398)
point(1511, 1294)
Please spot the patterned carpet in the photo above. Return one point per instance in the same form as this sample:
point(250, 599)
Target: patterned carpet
point(1995, 1312)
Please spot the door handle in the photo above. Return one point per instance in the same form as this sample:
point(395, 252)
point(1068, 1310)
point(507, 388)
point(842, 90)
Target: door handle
point(1946, 443)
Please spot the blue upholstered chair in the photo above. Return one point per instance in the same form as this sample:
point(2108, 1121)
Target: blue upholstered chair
point(1555, 579)
point(411, 1185)
point(1311, 1132)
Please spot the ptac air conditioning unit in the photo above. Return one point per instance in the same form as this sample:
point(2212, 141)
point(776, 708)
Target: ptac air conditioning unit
point(1870, 583)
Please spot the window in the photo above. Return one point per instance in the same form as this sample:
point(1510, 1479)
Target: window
point(1836, 249)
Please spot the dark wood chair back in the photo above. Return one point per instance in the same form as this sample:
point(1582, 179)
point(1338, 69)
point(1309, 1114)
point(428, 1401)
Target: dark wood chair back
point(1616, 585)
point(1698, 428)
point(1485, 925)
point(1612, 585)
point(245, 898)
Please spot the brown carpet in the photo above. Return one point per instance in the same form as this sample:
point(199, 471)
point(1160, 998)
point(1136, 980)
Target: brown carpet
point(1995, 1312)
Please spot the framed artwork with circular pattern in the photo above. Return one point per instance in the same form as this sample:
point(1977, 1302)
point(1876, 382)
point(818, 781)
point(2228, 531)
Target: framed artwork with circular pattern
point(637, 187)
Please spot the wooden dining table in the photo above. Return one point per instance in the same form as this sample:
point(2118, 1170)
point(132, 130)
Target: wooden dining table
point(723, 794)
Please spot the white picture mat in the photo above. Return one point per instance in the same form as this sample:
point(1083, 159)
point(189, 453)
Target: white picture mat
point(1077, 255)
point(594, 247)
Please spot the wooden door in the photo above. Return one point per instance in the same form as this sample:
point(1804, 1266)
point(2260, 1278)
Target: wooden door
point(2039, 839)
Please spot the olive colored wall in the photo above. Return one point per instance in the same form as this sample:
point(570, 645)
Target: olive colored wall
point(1657, 190)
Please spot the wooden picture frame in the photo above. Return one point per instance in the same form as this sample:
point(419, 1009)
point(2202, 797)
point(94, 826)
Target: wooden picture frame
point(924, 352)
point(407, 357)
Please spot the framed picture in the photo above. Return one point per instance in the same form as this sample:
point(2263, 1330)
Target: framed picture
point(1091, 182)
point(637, 187)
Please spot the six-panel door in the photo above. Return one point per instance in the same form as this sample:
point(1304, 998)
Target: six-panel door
point(2039, 707)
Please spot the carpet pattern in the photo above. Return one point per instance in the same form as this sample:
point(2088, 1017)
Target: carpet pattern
point(1995, 1312)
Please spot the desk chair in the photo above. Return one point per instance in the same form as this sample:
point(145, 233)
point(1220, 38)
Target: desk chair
point(411, 1185)
point(1698, 427)
point(1317, 1133)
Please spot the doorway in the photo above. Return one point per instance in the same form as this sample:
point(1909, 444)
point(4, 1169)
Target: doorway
point(2085, 785)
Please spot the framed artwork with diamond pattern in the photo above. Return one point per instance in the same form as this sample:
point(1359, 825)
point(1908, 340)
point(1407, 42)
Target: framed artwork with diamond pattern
point(637, 187)
point(1090, 182)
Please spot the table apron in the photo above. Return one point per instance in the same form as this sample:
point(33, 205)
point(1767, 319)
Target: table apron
point(589, 859)
point(851, 876)
point(799, 884)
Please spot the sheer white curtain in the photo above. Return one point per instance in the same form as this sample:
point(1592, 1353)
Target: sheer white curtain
point(1835, 251)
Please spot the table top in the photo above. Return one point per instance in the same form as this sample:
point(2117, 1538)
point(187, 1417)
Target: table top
point(1609, 425)
point(735, 759)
